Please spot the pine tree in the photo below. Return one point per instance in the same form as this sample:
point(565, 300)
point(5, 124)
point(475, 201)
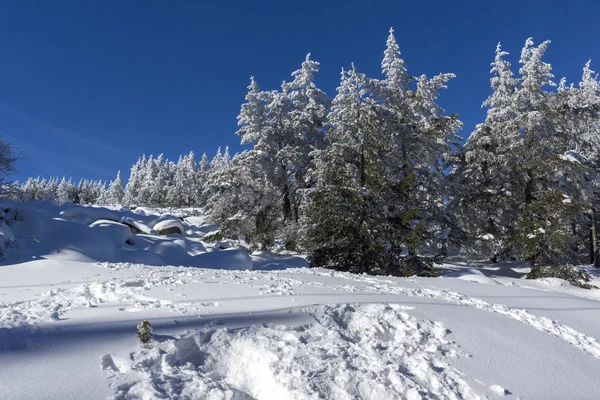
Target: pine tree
point(481, 202)
point(204, 163)
point(134, 184)
point(183, 191)
point(62, 192)
point(114, 194)
point(388, 142)
point(524, 194)
point(283, 127)
point(335, 232)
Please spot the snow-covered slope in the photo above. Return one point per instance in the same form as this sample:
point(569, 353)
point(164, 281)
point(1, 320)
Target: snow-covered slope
point(271, 330)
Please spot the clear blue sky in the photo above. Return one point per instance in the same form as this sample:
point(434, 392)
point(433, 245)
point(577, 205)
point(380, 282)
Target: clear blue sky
point(88, 86)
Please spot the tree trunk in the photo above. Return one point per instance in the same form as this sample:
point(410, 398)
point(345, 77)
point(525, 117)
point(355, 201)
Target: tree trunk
point(596, 254)
point(576, 242)
point(287, 205)
point(534, 266)
point(529, 187)
point(362, 166)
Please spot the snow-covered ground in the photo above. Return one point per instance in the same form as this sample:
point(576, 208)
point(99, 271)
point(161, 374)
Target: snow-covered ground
point(233, 325)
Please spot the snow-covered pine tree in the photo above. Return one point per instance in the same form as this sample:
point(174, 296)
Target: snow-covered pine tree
point(522, 192)
point(217, 160)
point(577, 118)
point(62, 192)
point(418, 140)
point(148, 174)
point(50, 188)
point(73, 191)
point(134, 184)
point(542, 231)
point(183, 191)
point(388, 143)
point(284, 127)
point(482, 186)
point(335, 230)
point(201, 180)
point(175, 192)
point(28, 190)
point(159, 180)
point(423, 139)
point(114, 194)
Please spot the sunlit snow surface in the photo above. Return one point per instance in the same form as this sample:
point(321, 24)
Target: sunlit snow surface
point(255, 326)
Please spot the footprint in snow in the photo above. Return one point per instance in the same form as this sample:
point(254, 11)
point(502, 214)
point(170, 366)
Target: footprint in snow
point(115, 364)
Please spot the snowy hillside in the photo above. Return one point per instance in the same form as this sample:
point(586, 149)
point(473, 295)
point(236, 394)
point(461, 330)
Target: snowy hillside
point(233, 325)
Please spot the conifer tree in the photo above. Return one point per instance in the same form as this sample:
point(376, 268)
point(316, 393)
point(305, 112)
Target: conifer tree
point(62, 192)
point(483, 185)
point(114, 194)
point(388, 142)
point(134, 184)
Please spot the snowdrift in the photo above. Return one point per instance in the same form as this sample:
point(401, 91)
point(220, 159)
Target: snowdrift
point(42, 229)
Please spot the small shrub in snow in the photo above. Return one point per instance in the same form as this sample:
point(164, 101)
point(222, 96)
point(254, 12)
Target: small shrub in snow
point(569, 273)
point(144, 332)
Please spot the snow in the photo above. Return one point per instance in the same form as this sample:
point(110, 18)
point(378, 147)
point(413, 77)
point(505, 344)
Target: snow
point(119, 233)
point(574, 156)
point(232, 325)
point(169, 223)
point(472, 275)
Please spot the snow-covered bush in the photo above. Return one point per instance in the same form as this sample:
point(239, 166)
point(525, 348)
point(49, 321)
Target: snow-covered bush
point(575, 276)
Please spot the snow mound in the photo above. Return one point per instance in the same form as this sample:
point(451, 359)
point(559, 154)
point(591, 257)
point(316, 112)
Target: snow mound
point(472, 275)
point(95, 234)
point(197, 221)
point(371, 351)
point(233, 259)
point(499, 390)
point(120, 234)
point(267, 261)
point(87, 215)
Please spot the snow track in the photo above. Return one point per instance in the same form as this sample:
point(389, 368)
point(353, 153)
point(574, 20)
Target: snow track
point(292, 334)
point(131, 295)
point(371, 351)
point(583, 342)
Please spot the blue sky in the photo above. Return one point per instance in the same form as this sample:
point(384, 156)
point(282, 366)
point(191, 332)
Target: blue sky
point(88, 86)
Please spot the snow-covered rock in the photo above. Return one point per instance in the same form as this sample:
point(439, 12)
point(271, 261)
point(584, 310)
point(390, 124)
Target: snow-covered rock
point(120, 233)
point(137, 226)
point(171, 225)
